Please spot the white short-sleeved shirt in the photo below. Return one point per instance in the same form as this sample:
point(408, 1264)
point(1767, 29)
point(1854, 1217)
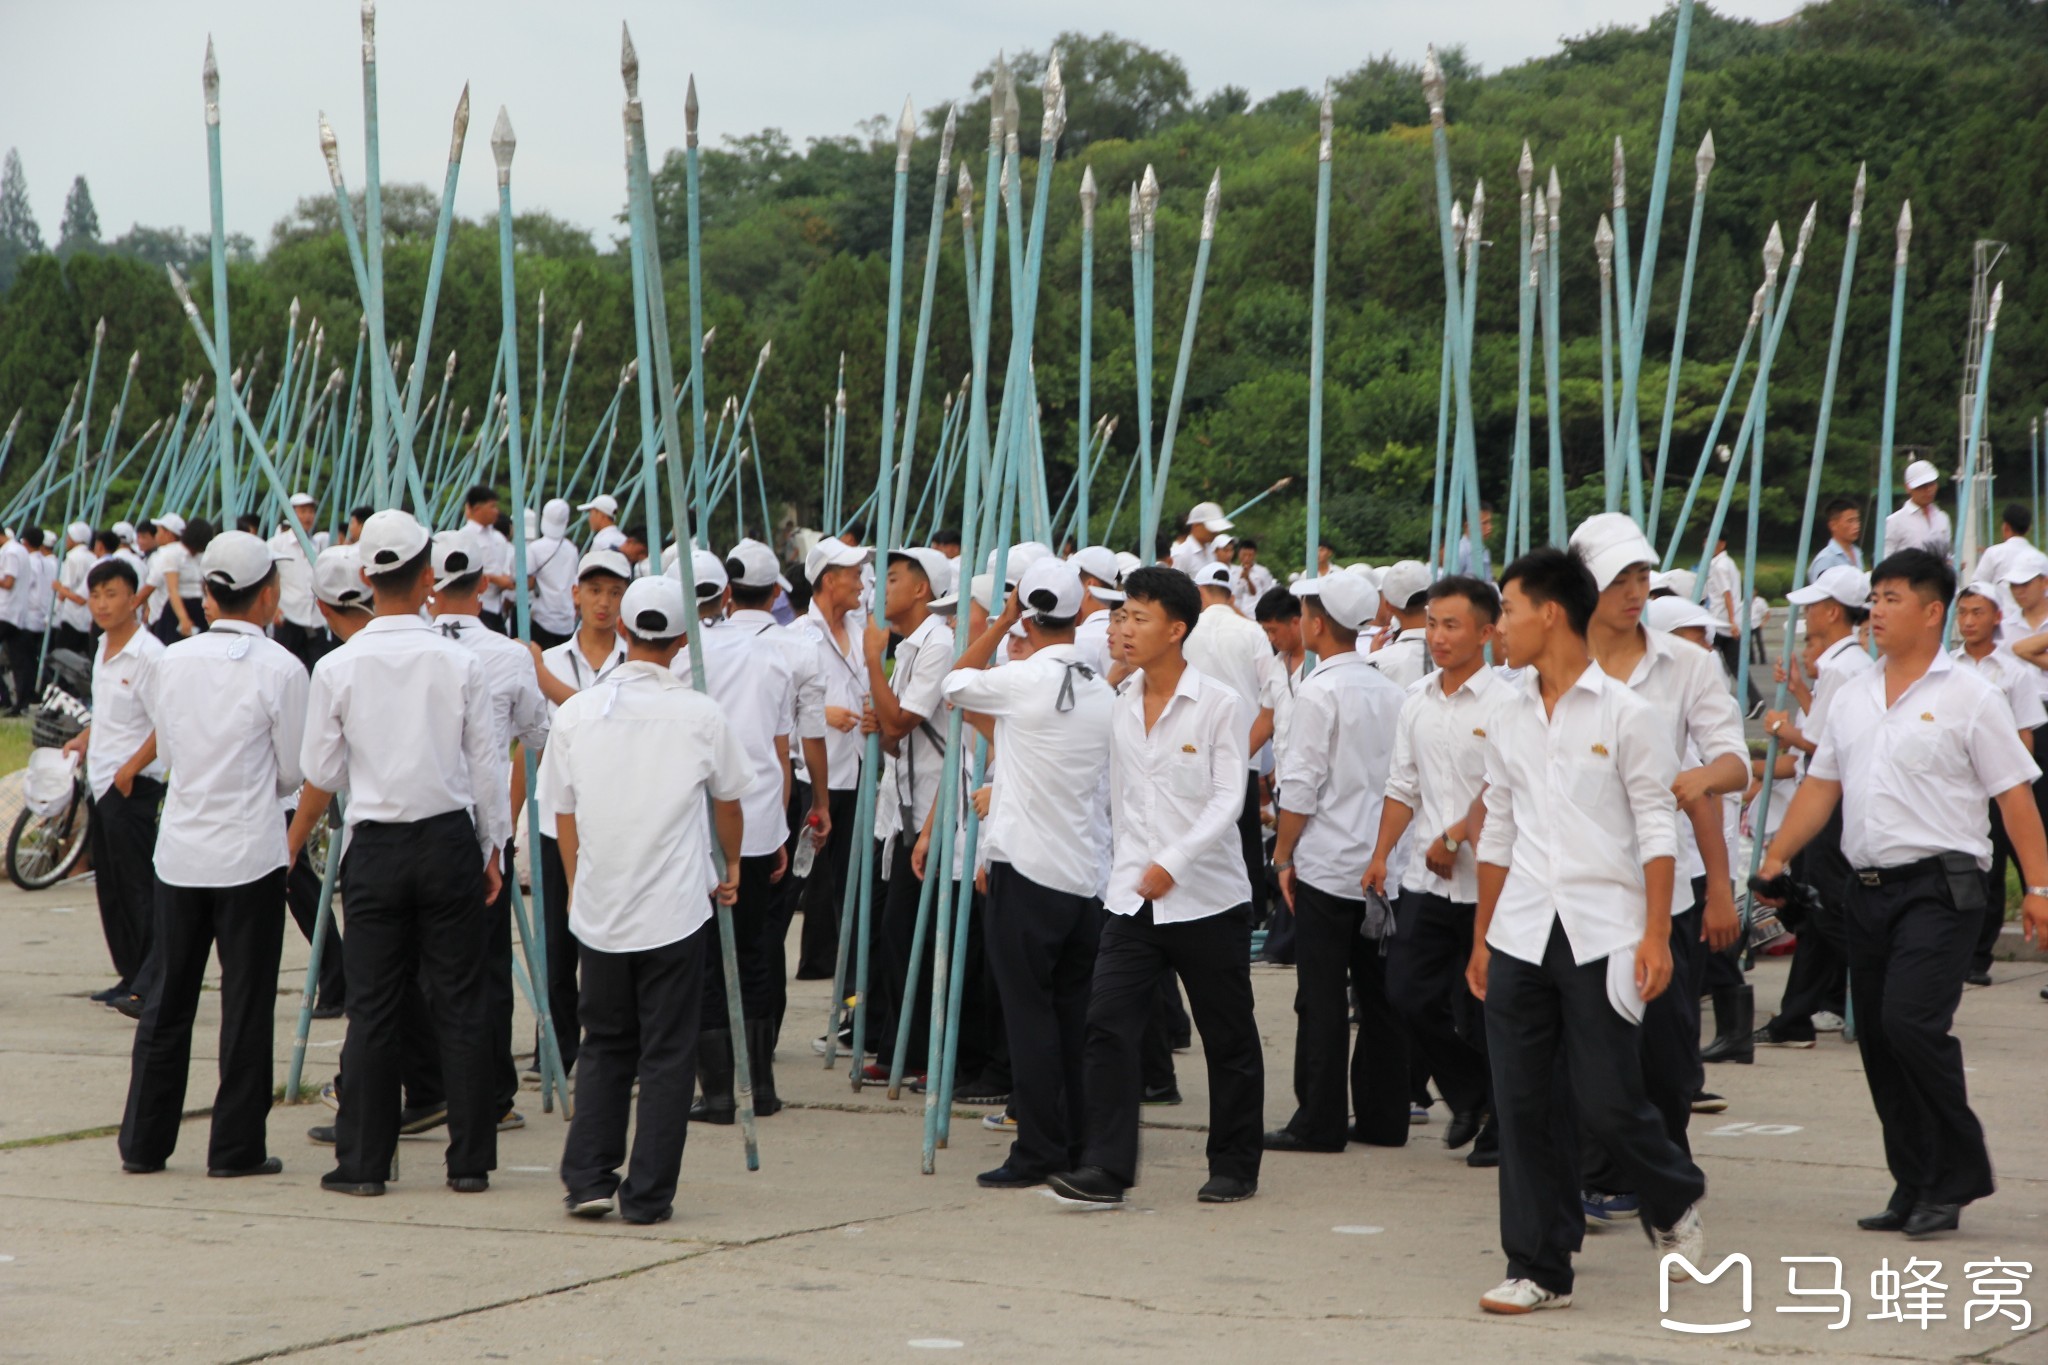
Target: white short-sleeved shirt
point(843, 676)
point(1914, 527)
point(2016, 679)
point(1232, 650)
point(551, 564)
point(122, 689)
point(14, 564)
point(632, 759)
point(1917, 775)
point(78, 562)
point(295, 582)
point(1439, 765)
point(1334, 769)
point(923, 659)
point(747, 674)
point(1724, 582)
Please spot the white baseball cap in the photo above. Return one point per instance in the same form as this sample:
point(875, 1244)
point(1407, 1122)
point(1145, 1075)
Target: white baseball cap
point(235, 560)
point(937, 569)
point(2027, 565)
point(1210, 515)
point(1684, 582)
point(1921, 472)
point(1402, 582)
point(653, 608)
point(124, 532)
point(303, 500)
point(1051, 587)
point(390, 539)
point(1670, 614)
point(604, 561)
point(1850, 587)
point(338, 578)
point(708, 571)
point(454, 557)
point(750, 564)
point(172, 522)
point(603, 502)
point(1213, 576)
point(1099, 562)
point(79, 533)
point(834, 553)
point(1609, 542)
point(1350, 598)
point(554, 517)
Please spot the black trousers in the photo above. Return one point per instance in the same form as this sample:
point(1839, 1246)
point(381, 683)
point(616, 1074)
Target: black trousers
point(415, 897)
point(2001, 855)
point(247, 923)
point(824, 892)
point(749, 925)
point(308, 643)
point(1251, 838)
point(1908, 942)
point(544, 637)
point(564, 952)
point(123, 857)
point(1041, 950)
point(1670, 1048)
point(499, 993)
point(24, 649)
point(302, 897)
point(782, 909)
point(640, 1013)
point(1333, 955)
point(1426, 985)
point(1166, 1028)
point(1212, 956)
point(1816, 980)
point(493, 620)
point(71, 638)
point(1564, 1063)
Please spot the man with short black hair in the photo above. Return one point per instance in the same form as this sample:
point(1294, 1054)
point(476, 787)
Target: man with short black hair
point(299, 626)
point(480, 516)
point(1402, 651)
point(602, 512)
point(1253, 579)
point(1176, 901)
point(1912, 751)
point(832, 622)
point(1844, 520)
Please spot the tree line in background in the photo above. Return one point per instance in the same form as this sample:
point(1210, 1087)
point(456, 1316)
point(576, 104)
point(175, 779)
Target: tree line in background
point(1948, 103)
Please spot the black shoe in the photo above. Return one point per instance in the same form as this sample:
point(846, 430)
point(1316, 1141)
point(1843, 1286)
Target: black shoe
point(321, 1135)
point(590, 1206)
point(1734, 1026)
point(643, 1219)
point(1927, 1219)
point(1088, 1185)
point(141, 1167)
point(323, 1010)
point(422, 1118)
point(111, 993)
point(1286, 1140)
point(1003, 1178)
point(1891, 1220)
point(469, 1184)
point(334, 1183)
point(1165, 1095)
point(1485, 1151)
point(1463, 1128)
point(761, 1067)
point(1181, 1042)
point(1770, 1035)
point(1227, 1189)
point(1707, 1102)
point(714, 1075)
point(270, 1165)
point(982, 1095)
point(130, 1005)
point(1977, 978)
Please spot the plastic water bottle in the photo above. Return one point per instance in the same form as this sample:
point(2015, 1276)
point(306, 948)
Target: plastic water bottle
point(806, 850)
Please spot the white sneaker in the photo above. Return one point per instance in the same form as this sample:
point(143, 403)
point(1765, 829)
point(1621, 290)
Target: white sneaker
point(1521, 1296)
point(1826, 1021)
point(1687, 1237)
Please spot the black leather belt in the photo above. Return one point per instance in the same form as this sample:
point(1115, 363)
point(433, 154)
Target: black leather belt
point(1880, 876)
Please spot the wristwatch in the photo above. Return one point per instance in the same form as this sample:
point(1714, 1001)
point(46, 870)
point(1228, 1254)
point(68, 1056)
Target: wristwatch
point(2041, 891)
point(1451, 845)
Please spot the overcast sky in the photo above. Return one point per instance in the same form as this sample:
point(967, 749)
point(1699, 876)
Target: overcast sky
point(110, 89)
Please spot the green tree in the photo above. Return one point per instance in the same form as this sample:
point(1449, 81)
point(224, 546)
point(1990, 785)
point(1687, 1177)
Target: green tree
point(19, 235)
point(81, 227)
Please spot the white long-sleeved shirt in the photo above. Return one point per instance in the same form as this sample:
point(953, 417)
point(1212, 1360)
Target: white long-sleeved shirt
point(806, 682)
point(1687, 689)
point(551, 565)
point(122, 688)
point(400, 719)
point(1403, 658)
point(747, 674)
point(1577, 801)
point(519, 714)
point(632, 759)
point(1917, 775)
point(843, 678)
point(1439, 765)
point(1046, 815)
point(295, 600)
point(78, 562)
point(1248, 585)
point(1334, 769)
point(1175, 793)
point(494, 553)
point(1233, 651)
point(230, 708)
point(1914, 527)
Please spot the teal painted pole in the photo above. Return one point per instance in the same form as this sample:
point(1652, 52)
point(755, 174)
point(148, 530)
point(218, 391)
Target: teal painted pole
point(1699, 473)
point(1703, 166)
point(1082, 413)
point(1982, 401)
point(1210, 204)
point(373, 262)
point(1904, 240)
point(1464, 447)
point(1603, 246)
point(697, 453)
point(1439, 489)
point(1627, 451)
point(1144, 201)
point(1319, 282)
point(1549, 245)
point(224, 435)
point(914, 400)
point(1517, 535)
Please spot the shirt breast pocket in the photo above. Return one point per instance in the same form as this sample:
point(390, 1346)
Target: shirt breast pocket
point(1919, 749)
point(1187, 775)
point(1588, 781)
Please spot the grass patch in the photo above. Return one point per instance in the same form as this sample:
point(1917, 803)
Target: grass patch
point(14, 744)
point(53, 1139)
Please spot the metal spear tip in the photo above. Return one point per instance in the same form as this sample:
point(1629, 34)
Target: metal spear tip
point(1774, 252)
point(629, 59)
point(1704, 162)
point(1856, 199)
point(1013, 115)
point(1620, 177)
point(1212, 201)
point(1553, 195)
point(767, 348)
point(1997, 298)
point(1477, 211)
point(576, 335)
point(1806, 232)
point(966, 191)
point(134, 361)
point(690, 111)
point(906, 133)
point(1457, 220)
point(1603, 244)
point(362, 326)
point(1905, 232)
point(946, 135)
point(1433, 84)
point(1525, 169)
point(209, 81)
point(99, 330)
point(707, 337)
point(1055, 94)
point(1088, 188)
point(184, 294)
point(294, 310)
point(369, 30)
point(503, 144)
point(461, 127)
point(331, 150)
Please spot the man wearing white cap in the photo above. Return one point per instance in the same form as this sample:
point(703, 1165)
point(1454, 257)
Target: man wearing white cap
point(1689, 699)
point(1176, 901)
point(401, 719)
point(73, 616)
point(1099, 570)
point(551, 564)
point(300, 627)
point(755, 581)
point(1402, 652)
point(1330, 780)
point(1194, 552)
point(1048, 834)
point(749, 676)
point(905, 708)
point(628, 768)
point(1919, 525)
point(1978, 630)
point(1236, 653)
point(603, 514)
point(1834, 606)
point(832, 623)
point(230, 713)
point(480, 519)
point(1573, 934)
point(519, 717)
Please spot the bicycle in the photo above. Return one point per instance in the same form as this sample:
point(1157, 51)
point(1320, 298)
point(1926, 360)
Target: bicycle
point(43, 849)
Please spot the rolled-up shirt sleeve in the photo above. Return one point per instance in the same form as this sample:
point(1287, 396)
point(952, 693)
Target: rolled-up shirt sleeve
point(1404, 774)
point(1224, 739)
point(1497, 839)
point(1648, 768)
point(1305, 758)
